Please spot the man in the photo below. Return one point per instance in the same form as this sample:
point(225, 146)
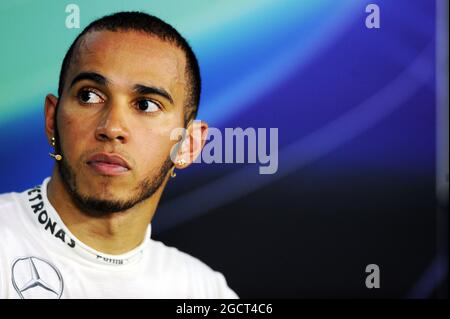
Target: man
point(127, 81)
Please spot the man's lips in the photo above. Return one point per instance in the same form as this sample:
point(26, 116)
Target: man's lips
point(108, 164)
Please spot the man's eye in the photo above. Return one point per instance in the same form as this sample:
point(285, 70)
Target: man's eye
point(90, 97)
point(147, 106)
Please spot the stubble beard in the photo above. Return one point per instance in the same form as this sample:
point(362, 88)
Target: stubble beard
point(97, 207)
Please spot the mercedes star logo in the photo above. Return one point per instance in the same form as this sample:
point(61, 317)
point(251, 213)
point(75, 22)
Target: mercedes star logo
point(34, 277)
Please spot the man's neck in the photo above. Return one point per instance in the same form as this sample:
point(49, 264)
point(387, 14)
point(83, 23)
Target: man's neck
point(113, 234)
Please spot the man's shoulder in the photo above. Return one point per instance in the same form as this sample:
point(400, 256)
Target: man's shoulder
point(8, 202)
point(13, 201)
point(7, 198)
point(208, 281)
point(12, 208)
point(170, 254)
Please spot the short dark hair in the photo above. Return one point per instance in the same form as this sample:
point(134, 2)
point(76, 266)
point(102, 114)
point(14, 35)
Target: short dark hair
point(143, 22)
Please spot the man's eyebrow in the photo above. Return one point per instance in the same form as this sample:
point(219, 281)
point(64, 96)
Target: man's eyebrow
point(144, 89)
point(95, 77)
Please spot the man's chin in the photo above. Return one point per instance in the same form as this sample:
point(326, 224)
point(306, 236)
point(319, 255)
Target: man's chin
point(101, 206)
point(105, 187)
point(102, 197)
point(107, 193)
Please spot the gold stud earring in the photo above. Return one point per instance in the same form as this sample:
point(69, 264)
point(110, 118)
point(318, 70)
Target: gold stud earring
point(57, 157)
point(181, 162)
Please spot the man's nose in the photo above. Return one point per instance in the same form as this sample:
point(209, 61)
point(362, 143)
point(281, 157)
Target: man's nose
point(112, 126)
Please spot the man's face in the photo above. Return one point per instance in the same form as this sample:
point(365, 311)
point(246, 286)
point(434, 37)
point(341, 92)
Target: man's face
point(123, 95)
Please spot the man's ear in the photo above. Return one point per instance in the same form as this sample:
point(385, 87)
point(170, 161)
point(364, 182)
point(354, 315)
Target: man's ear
point(192, 144)
point(51, 103)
